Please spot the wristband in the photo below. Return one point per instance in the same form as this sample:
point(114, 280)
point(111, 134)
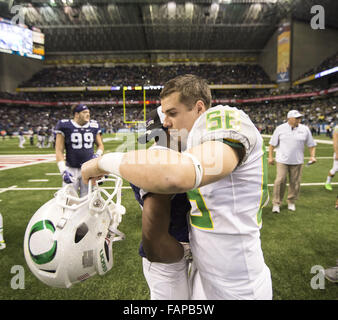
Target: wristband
point(198, 169)
point(62, 166)
point(110, 162)
point(99, 152)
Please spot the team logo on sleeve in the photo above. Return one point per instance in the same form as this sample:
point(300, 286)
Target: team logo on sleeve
point(94, 124)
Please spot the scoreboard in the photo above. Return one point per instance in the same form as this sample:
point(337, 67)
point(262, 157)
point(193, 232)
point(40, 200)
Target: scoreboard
point(20, 40)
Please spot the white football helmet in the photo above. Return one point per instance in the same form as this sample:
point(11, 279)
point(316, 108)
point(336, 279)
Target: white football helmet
point(70, 239)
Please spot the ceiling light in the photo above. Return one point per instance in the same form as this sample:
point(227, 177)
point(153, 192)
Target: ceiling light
point(171, 5)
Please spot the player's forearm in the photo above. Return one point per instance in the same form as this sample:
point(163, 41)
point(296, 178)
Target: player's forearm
point(167, 171)
point(99, 144)
point(59, 148)
point(158, 171)
point(59, 154)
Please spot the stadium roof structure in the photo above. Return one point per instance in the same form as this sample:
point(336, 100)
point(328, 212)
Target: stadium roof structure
point(156, 26)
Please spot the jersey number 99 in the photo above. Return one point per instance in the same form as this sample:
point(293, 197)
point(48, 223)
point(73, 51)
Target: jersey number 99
point(79, 141)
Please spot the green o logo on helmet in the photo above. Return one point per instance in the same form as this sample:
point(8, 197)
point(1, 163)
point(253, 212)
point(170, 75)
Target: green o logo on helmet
point(48, 255)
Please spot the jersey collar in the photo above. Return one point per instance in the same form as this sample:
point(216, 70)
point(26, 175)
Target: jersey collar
point(291, 128)
point(78, 126)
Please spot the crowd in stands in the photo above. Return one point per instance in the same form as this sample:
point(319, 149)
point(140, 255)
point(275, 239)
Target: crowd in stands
point(152, 95)
point(328, 63)
point(266, 115)
point(143, 75)
point(317, 113)
point(112, 117)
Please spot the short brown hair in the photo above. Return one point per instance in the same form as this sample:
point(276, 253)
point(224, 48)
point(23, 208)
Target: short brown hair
point(191, 88)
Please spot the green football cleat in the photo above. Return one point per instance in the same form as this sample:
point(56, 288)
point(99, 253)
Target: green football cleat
point(328, 186)
point(2, 244)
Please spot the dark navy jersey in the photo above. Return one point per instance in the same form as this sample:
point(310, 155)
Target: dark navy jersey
point(79, 140)
point(180, 206)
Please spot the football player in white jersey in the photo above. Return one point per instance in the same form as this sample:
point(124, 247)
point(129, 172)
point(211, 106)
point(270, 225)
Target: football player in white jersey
point(2, 241)
point(224, 172)
point(334, 169)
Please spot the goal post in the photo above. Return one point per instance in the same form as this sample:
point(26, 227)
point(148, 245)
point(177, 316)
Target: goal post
point(143, 101)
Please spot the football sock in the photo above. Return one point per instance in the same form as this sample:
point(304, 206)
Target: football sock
point(328, 179)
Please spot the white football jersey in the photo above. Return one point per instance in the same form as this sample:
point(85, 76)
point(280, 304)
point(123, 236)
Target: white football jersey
point(226, 215)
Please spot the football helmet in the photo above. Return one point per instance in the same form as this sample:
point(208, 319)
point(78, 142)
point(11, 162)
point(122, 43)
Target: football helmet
point(70, 239)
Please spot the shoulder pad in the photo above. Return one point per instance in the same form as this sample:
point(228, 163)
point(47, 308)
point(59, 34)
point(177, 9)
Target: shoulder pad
point(224, 122)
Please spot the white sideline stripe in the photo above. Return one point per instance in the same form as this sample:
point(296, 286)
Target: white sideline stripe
point(14, 188)
point(57, 173)
point(112, 139)
point(38, 180)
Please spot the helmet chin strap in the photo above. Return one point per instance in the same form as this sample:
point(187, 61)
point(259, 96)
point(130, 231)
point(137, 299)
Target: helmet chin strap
point(97, 204)
point(118, 235)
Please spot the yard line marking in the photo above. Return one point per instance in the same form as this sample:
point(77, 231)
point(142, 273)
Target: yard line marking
point(38, 180)
point(57, 173)
point(323, 141)
point(316, 140)
point(320, 158)
point(311, 184)
point(7, 189)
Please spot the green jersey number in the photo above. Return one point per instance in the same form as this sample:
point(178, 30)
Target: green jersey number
point(202, 221)
point(223, 119)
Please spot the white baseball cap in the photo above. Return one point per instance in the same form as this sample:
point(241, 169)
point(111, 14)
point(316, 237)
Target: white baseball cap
point(294, 114)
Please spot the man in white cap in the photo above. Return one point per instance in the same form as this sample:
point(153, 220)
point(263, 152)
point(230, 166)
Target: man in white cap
point(289, 140)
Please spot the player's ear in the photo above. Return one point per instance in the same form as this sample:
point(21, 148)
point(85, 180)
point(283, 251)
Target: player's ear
point(200, 106)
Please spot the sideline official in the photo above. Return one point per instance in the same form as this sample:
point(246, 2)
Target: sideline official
point(289, 140)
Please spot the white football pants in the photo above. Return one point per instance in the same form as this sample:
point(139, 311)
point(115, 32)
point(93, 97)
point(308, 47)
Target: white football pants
point(172, 281)
point(335, 166)
point(78, 184)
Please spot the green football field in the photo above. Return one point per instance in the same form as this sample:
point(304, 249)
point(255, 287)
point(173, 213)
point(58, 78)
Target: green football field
point(295, 245)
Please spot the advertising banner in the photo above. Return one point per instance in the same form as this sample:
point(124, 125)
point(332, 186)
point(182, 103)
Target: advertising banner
point(283, 54)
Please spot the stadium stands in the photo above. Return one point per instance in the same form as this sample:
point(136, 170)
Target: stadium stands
point(140, 75)
point(328, 63)
point(107, 108)
point(266, 114)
